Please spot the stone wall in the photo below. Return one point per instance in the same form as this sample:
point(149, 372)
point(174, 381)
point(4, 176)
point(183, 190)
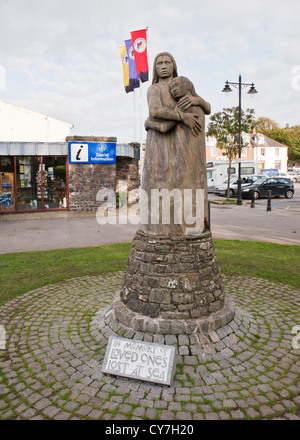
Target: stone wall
point(127, 172)
point(85, 180)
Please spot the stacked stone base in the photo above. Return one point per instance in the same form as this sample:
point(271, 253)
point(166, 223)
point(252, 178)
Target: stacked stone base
point(172, 285)
point(173, 277)
point(127, 319)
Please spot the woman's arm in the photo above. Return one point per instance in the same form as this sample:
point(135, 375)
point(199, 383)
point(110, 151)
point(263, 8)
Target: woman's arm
point(188, 100)
point(158, 125)
point(157, 110)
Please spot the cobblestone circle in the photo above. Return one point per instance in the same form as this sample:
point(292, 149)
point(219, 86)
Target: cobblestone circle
point(56, 341)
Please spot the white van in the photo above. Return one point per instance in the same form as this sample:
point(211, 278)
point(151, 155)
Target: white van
point(218, 170)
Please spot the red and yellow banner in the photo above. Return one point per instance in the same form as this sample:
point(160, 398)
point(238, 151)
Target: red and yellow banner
point(139, 44)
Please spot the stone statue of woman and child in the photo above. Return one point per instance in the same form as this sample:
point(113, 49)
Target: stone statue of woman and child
point(175, 149)
point(172, 281)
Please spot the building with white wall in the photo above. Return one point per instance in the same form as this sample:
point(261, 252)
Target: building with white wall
point(18, 124)
point(259, 147)
point(269, 153)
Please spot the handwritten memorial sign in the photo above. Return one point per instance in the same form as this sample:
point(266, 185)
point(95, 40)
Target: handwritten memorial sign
point(139, 360)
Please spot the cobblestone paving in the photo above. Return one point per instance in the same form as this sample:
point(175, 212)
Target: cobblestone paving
point(56, 340)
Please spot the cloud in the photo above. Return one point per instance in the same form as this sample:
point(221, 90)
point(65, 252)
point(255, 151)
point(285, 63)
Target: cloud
point(61, 57)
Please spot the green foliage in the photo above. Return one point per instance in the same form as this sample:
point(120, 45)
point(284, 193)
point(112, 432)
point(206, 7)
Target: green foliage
point(121, 199)
point(224, 126)
point(288, 136)
point(264, 125)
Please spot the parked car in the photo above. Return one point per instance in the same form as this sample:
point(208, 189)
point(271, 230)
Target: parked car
point(295, 177)
point(280, 174)
point(221, 190)
point(268, 171)
point(289, 175)
point(278, 186)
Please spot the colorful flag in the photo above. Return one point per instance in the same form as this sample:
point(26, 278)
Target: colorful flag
point(139, 44)
point(124, 58)
point(134, 80)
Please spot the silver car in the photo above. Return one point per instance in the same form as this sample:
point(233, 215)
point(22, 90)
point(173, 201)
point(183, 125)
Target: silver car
point(221, 190)
point(295, 177)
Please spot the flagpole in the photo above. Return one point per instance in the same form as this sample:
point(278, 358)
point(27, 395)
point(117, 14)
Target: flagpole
point(134, 114)
point(141, 116)
point(141, 131)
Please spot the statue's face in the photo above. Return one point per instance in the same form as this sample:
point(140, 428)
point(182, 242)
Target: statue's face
point(177, 88)
point(164, 66)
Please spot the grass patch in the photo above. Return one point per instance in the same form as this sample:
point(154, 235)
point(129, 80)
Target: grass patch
point(22, 272)
point(25, 271)
point(275, 262)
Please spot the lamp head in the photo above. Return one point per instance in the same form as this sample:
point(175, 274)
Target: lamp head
point(252, 90)
point(227, 88)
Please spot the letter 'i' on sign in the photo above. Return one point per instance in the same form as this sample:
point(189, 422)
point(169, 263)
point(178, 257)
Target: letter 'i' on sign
point(139, 44)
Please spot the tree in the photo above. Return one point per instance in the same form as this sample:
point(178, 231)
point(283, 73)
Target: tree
point(264, 125)
point(224, 126)
point(289, 136)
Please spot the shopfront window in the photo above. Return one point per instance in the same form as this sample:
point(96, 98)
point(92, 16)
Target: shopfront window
point(29, 194)
point(55, 189)
point(7, 184)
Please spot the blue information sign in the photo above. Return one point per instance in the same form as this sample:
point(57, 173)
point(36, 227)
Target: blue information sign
point(92, 152)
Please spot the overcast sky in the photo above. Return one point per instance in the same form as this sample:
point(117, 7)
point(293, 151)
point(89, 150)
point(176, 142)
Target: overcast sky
point(61, 57)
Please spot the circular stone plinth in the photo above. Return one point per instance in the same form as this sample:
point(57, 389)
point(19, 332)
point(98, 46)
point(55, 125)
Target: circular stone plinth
point(128, 319)
point(56, 339)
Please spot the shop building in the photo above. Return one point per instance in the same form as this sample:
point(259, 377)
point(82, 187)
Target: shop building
point(43, 168)
point(41, 176)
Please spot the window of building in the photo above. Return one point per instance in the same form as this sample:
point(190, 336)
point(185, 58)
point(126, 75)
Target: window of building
point(54, 172)
point(276, 151)
point(262, 151)
point(29, 195)
point(33, 183)
point(244, 152)
point(7, 184)
point(213, 151)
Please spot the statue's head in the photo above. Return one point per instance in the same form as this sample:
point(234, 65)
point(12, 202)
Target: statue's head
point(180, 85)
point(161, 56)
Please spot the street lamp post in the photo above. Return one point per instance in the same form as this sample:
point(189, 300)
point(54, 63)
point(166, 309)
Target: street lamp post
point(251, 91)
